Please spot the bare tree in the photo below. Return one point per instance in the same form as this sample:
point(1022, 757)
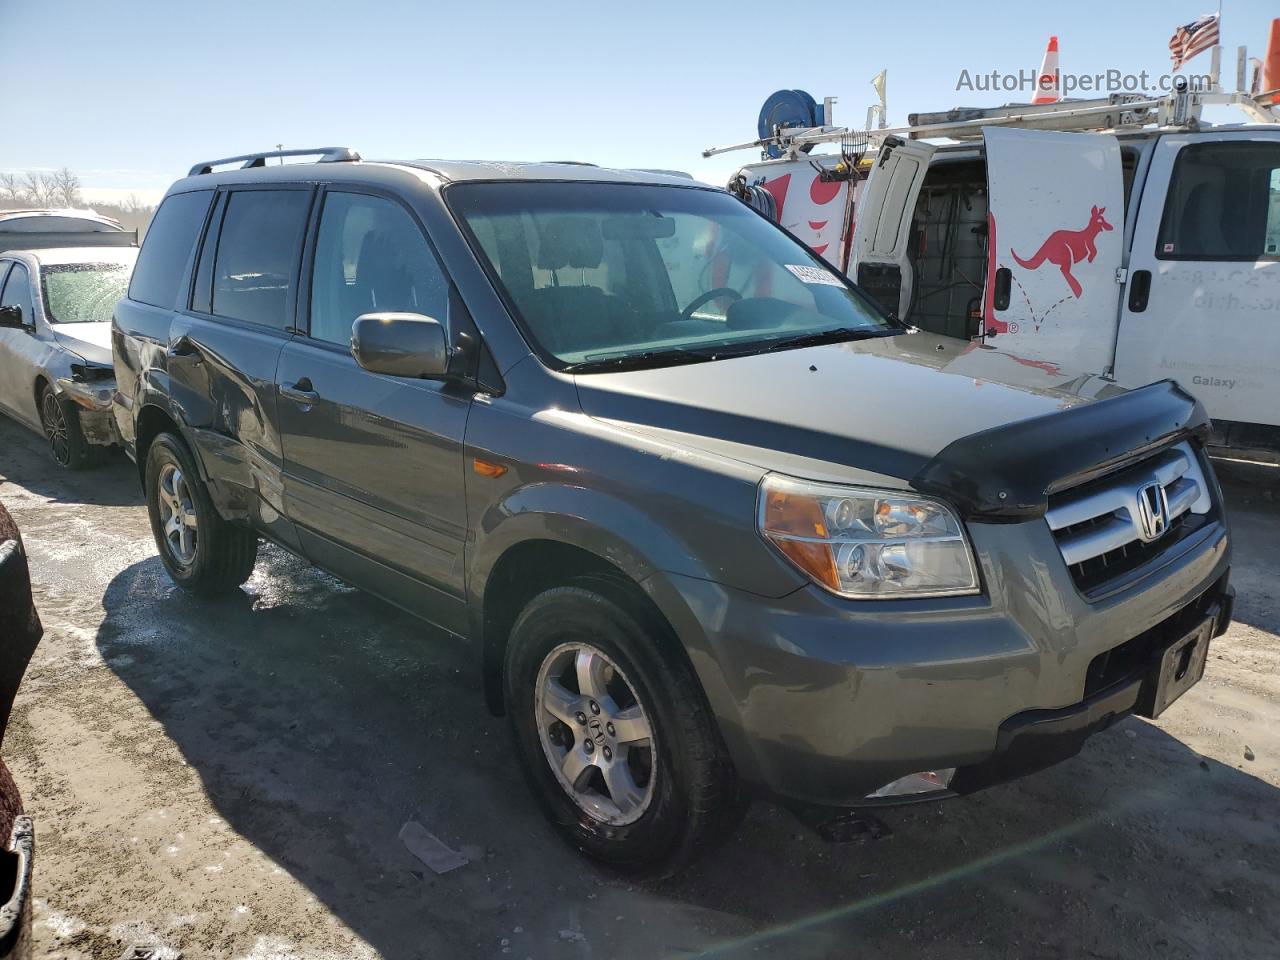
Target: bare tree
point(37, 189)
point(64, 188)
point(11, 190)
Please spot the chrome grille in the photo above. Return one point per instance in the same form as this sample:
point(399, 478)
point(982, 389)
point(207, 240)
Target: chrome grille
point(1104, 523)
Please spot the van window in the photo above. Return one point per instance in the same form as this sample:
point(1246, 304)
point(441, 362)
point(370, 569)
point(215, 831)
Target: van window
point(162, 262)
point(1223, 203)
point(259, 248)
point(371, 258)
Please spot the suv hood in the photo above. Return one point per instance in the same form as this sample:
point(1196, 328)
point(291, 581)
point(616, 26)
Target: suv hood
point(92, 341)
point(885, 406)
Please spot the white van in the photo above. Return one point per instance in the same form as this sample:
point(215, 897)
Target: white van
point(1145, 252)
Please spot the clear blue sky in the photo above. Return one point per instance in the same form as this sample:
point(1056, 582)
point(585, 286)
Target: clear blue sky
point(130, 94)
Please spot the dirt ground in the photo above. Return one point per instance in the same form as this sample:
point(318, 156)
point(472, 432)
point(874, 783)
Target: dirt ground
point(228, 779)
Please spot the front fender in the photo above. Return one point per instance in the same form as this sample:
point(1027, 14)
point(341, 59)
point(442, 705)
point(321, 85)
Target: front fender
point(592, 520)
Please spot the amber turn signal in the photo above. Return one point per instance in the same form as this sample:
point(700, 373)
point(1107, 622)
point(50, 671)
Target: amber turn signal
point(786, 513)
point(487, 468)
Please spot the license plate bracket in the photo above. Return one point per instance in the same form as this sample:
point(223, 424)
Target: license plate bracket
point(1181, 667)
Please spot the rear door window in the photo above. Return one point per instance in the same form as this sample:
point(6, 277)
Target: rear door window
point(259, 249)
point(162, 262)
point(1223, 203)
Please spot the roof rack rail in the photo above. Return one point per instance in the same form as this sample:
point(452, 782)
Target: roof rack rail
point(251, 160)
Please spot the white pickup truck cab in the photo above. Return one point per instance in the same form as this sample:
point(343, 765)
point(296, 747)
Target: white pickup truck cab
point(1143, 251)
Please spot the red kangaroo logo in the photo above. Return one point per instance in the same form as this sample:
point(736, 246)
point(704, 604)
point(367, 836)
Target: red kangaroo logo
point(1065, 248)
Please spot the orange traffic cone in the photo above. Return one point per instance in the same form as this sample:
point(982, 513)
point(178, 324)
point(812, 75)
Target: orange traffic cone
point(1048, 82)
point(1271, 67)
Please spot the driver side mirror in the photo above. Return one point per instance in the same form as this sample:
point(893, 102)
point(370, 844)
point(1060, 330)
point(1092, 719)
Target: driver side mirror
point(11, 317)
point(401, 345)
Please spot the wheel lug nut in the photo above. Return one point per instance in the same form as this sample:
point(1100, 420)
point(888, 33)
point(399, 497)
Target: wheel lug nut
point(581, 717)
point(608, 754)
point(589, 746)
point(609, 728)
point(595, 707)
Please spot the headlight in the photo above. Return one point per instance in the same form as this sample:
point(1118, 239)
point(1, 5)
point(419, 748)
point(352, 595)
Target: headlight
point(92, 396)
point(868, 544)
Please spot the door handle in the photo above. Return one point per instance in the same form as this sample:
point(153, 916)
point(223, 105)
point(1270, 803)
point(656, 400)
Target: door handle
point(301, 392)
point(1139, 290)
point(184, 348)
point(1004, 287)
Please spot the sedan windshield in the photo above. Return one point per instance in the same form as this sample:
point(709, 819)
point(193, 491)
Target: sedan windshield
point(83, 292)
point(603, 276)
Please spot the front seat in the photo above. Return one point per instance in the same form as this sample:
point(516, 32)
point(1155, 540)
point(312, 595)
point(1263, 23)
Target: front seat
point(568, 317)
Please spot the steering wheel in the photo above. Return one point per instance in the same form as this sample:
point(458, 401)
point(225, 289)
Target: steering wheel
point(704, 298)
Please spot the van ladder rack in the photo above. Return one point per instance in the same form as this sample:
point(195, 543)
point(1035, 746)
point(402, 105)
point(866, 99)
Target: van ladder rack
point(250, 160)
point(1117, 112)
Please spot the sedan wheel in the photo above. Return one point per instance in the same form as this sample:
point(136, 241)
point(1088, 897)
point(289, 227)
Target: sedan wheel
point(595, 734)
point(54, 419)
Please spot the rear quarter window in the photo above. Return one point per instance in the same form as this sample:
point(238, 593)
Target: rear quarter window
point(162, 262)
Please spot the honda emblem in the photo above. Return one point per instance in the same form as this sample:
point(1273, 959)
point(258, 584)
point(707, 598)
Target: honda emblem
point(1153, 511)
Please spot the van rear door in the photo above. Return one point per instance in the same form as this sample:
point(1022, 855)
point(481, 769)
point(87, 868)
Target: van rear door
point(882, 224)
point(1054, 245)
point(1203, 303)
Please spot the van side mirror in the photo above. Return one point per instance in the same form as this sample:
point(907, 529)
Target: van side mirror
point(11, 317)
point(401, 345)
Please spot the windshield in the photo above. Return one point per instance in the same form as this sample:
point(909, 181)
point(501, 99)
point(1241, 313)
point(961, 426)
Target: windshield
point(605, 274)
point(83, 292)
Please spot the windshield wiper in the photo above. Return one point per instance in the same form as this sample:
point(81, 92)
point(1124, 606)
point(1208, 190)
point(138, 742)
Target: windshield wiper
point(817, 338)
point(646, 358)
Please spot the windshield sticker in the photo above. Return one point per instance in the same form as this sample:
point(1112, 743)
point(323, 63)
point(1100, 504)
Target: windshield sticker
point(807, 274)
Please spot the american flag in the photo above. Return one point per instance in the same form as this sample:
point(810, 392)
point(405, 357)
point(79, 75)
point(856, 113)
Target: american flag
point(1195, 37)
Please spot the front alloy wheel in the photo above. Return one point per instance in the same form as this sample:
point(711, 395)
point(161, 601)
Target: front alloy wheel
point(613, 731)
point(595, 734)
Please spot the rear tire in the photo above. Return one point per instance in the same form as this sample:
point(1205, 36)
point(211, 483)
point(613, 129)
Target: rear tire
point(647, 814)
point(200, 550)
point(60, 419)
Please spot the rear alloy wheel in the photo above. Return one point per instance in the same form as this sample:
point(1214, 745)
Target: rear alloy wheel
point(61, 425)
point(177, 513)
point(200, 550)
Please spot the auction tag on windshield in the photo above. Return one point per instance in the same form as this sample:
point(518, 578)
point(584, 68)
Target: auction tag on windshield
point(807, 274)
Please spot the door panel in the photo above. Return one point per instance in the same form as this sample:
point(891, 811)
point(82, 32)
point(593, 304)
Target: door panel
point(222, 376)
point(1055, 242)
point(1211, 316)
point(882, 224)
point(373, 464)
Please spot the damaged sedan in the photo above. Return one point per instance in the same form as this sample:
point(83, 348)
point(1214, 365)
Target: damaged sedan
point(55, 345)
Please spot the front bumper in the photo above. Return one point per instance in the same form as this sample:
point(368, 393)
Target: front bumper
point(824, 701)
point(1037, 739)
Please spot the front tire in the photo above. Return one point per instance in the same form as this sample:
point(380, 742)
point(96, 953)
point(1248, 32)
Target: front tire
point(614, 734)
point(67, 444)
point(200, 550)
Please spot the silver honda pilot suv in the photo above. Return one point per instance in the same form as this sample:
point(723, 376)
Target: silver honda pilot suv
point(712, 522)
